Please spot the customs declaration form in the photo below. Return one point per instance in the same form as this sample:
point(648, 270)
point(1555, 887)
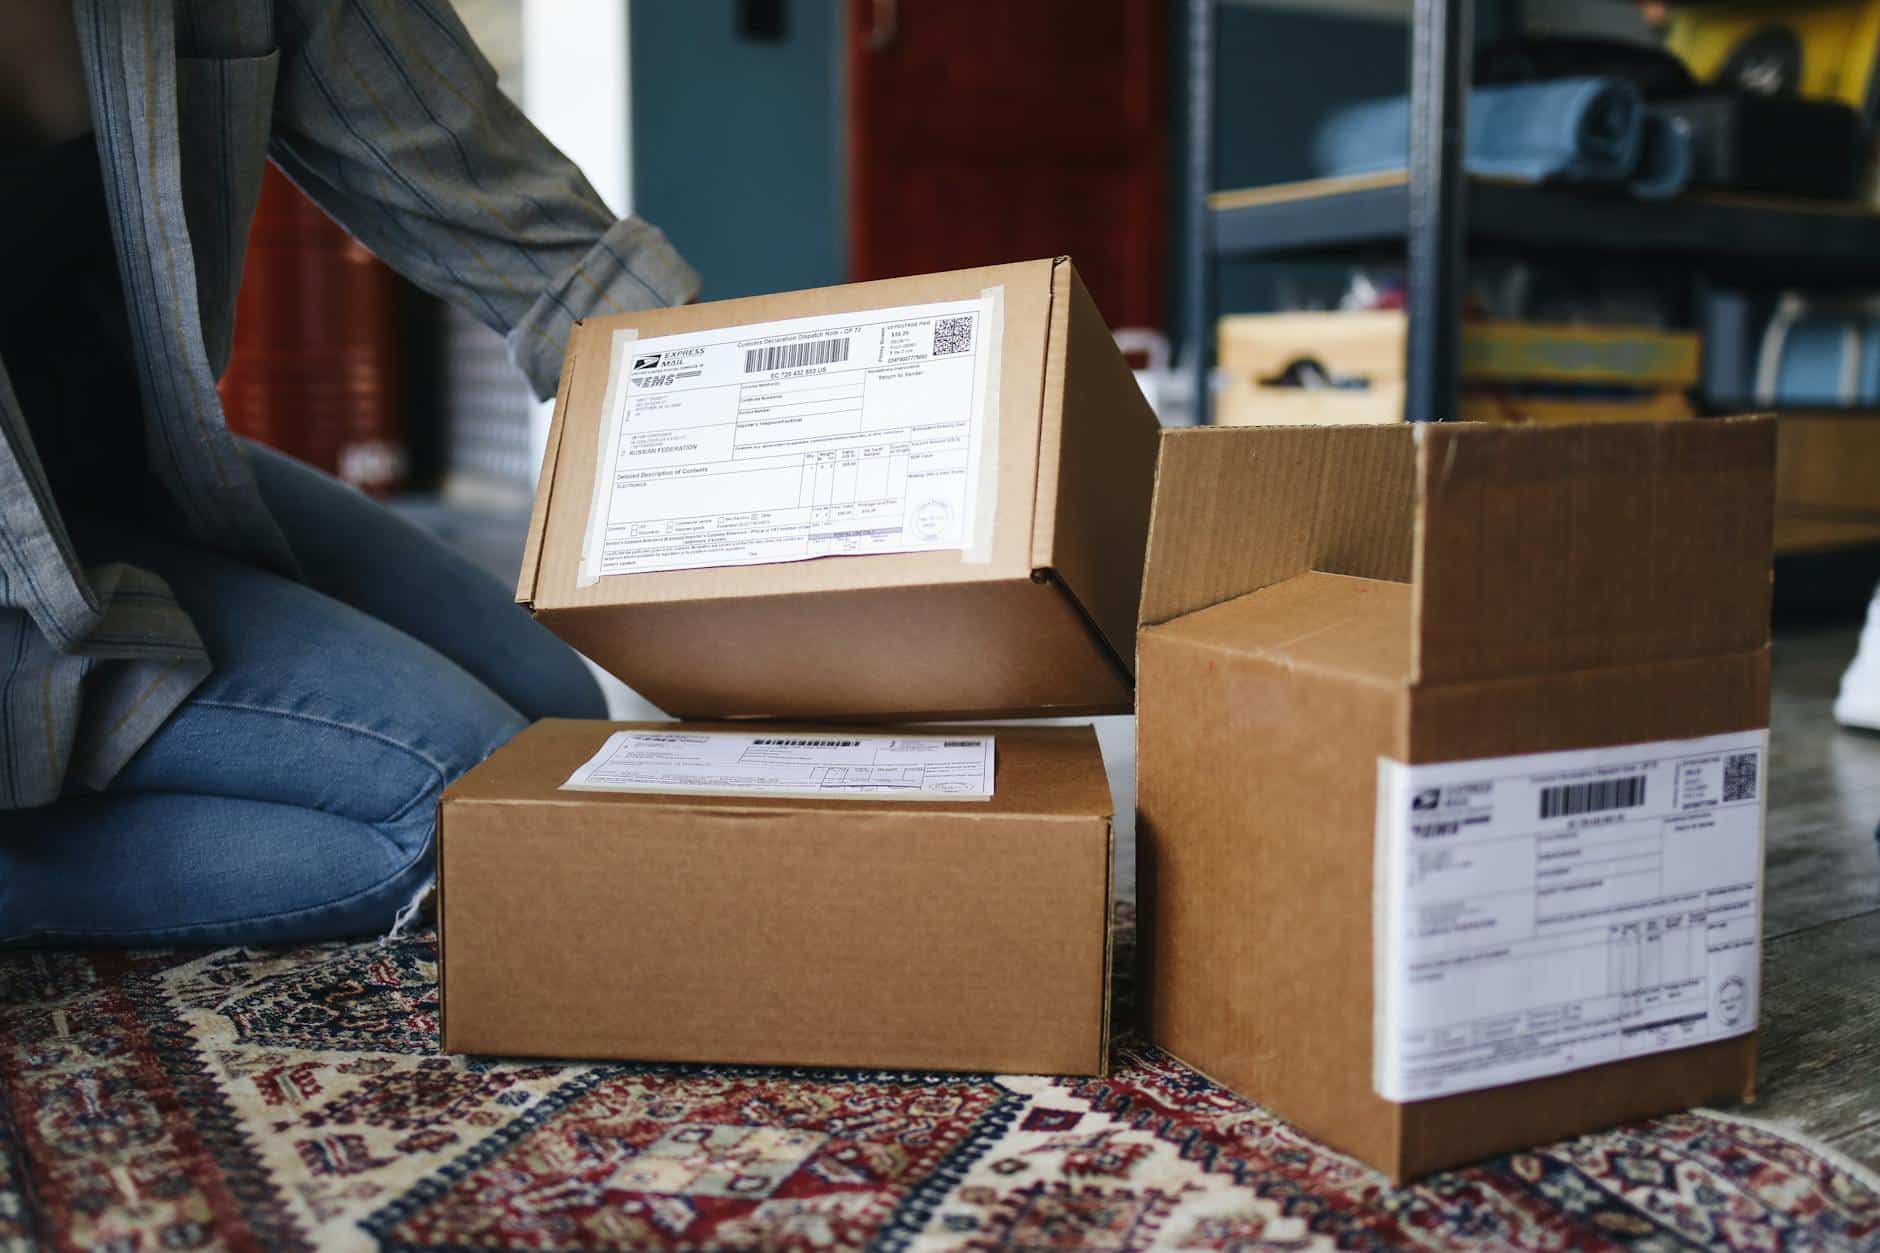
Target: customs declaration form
point(1542, 913)
point(847, 433)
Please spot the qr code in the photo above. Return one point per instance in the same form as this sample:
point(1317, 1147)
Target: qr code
point(1739, 777)
point(952, 335)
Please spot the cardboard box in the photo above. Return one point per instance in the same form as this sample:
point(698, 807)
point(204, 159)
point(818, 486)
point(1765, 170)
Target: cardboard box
point(971, 935)
point(1827, 482)
point(1511, 371)
point(1036, 617)
point(1371, 343)
point(1319, 603)
point(1243, 402)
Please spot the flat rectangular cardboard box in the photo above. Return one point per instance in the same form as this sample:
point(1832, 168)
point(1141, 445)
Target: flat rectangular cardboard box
point(967, 936)
point(1370, 344)
point(1318, 600)
point(1634, 373)
point(1040, 622)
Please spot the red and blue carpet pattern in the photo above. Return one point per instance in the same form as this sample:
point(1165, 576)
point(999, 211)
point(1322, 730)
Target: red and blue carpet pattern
point(296, 1100)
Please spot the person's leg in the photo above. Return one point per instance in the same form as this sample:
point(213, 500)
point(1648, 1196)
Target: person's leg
point(165, 868)
point(361, 553)
point(293, 796)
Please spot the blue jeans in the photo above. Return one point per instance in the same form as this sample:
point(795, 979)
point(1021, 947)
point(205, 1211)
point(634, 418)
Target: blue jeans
point(294, 796)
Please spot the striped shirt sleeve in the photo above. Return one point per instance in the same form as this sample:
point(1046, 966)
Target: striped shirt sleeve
point(391, 119)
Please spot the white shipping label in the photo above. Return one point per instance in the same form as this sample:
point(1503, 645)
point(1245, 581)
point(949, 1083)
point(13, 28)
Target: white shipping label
point(1544, 913)
point(719, 763)
point(842, 434)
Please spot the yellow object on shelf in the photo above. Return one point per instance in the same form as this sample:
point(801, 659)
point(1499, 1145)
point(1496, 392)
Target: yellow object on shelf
point(1246, 403)
point(1369, 344)
point(1622, 373)
point(1757, 44)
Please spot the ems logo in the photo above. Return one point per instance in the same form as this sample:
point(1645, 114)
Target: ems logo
point(646, 363)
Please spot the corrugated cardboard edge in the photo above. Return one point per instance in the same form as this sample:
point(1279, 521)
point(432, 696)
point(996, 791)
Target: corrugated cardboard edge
point(1105, 1032)
point(551, 454)
point(437, 878)
point(1106, 464)
point(1051, 414)
point(1335, 499)
point(1044, 507)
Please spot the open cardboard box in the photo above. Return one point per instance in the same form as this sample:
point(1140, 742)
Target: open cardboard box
point(1320, 602)
point(1037, 618)
point(804, 931)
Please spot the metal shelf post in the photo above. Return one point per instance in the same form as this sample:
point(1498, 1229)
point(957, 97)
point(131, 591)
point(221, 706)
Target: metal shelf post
point(1440, 47)
point(1199, 261)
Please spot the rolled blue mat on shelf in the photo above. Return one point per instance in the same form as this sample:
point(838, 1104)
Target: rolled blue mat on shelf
point(1577, 130)
point(1664, 159)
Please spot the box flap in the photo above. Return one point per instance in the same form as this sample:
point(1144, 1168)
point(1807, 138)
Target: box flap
point(1238, 509)
point(1328, 623)
point(1096, 468)
point(554, 552)
point(1555, 548)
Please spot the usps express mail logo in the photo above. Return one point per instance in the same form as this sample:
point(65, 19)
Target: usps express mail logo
point(649, 362)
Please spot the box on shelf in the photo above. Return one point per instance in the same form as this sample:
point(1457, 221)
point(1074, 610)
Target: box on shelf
point(1520, 372)
point(797, 930)
point(1827, 481)
point(966, 456)
point(1451, 751)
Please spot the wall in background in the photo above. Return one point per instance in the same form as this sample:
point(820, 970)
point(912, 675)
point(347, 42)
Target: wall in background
point(1277, 72)
point(737, 143)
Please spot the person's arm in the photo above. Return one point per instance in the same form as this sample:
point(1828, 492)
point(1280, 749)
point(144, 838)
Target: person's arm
point(388, 116)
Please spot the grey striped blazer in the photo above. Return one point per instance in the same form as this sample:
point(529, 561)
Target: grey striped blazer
point(384, 112)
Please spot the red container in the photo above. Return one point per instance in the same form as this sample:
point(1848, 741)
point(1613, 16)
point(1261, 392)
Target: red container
point(316, 369)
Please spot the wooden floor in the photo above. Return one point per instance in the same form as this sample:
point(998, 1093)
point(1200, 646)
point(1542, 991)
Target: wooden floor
point(1820, 1050)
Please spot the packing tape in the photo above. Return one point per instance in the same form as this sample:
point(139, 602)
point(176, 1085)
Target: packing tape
point(589, 572)
point(982, 485)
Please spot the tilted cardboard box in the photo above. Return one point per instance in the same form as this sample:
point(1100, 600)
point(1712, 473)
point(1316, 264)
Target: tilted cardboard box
point(1327, 614)
point(1034, 615)
point(970, 935)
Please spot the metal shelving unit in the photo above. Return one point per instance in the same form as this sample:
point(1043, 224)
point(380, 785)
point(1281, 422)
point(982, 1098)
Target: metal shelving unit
point(1432, 214)
point(1754, 240)
point(1433, 206)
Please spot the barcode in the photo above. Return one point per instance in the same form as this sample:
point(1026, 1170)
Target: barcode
point(791, 356)
point(962, 743)
point(811, 743)
point(1739, 777)
point(1590, 798)
point(952, 335)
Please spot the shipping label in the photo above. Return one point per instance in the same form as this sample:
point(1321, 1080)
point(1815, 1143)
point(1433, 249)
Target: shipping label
point(841, 434)
point(1543, 913)
point(720, 763)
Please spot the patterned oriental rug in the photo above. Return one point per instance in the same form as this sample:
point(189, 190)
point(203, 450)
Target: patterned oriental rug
point(295, 1100)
